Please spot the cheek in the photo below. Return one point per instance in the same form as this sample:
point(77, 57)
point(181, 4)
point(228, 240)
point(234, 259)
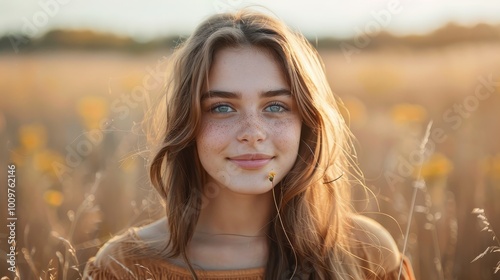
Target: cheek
point(212, 135)
point(287, 132)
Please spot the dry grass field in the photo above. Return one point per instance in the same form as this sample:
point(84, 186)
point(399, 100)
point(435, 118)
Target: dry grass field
point(70, 122)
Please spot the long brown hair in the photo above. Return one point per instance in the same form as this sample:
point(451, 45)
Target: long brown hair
point(313, 198)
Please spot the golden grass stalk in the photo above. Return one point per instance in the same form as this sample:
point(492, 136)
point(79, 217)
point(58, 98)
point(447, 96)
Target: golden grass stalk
point(487, 227)
point(418, 183)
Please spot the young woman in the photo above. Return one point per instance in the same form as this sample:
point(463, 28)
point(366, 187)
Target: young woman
point(254, 167)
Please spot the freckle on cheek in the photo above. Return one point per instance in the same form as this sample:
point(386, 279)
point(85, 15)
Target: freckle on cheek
point(213, 133)
point(284, 129)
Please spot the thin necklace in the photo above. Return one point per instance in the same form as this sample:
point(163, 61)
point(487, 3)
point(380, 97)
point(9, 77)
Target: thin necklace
point(230, 234)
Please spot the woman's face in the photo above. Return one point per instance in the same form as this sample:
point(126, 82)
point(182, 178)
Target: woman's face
point(250, 122)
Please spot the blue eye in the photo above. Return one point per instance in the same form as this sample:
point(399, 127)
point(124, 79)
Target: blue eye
point(276, 108)
point(221, 108)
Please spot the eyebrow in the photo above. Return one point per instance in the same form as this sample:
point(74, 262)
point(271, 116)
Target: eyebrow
point(236, 95)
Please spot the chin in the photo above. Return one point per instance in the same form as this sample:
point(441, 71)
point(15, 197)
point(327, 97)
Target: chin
point(251, 190)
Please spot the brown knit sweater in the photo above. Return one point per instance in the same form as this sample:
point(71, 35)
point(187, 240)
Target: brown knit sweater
point(112, 262)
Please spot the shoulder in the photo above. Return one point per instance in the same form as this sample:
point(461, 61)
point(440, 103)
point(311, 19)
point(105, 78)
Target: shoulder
point(377, 244)
point(113, 257)
point(125, 251)
point(154, 232)
point(151, 237)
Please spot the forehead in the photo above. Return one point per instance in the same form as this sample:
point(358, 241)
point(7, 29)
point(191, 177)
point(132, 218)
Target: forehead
point(245, 68)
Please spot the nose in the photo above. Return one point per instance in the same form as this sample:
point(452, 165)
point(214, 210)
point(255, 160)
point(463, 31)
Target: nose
point(252, 129)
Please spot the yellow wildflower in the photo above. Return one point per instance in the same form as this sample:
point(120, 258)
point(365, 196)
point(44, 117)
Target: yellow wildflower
point(32, 137)
point(53, 197)
point(93, 109)
point(404, 113)
point(271, 176)
point(437, 166)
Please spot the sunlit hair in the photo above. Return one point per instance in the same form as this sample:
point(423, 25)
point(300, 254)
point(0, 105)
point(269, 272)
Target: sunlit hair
point(313, 197)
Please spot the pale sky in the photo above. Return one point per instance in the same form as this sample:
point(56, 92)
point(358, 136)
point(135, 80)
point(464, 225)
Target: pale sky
point(148, 19)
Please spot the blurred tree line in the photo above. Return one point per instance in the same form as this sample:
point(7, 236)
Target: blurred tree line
point(92, 40)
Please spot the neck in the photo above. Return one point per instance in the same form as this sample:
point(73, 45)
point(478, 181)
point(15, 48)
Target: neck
point(229, 213)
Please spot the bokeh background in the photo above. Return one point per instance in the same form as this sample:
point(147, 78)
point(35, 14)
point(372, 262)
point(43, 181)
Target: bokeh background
point(76, 78)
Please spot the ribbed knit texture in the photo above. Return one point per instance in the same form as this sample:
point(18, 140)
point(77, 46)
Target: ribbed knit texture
point(111, 263)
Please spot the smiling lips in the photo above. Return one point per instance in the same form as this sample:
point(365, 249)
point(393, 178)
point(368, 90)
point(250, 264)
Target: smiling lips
point(251, 161)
